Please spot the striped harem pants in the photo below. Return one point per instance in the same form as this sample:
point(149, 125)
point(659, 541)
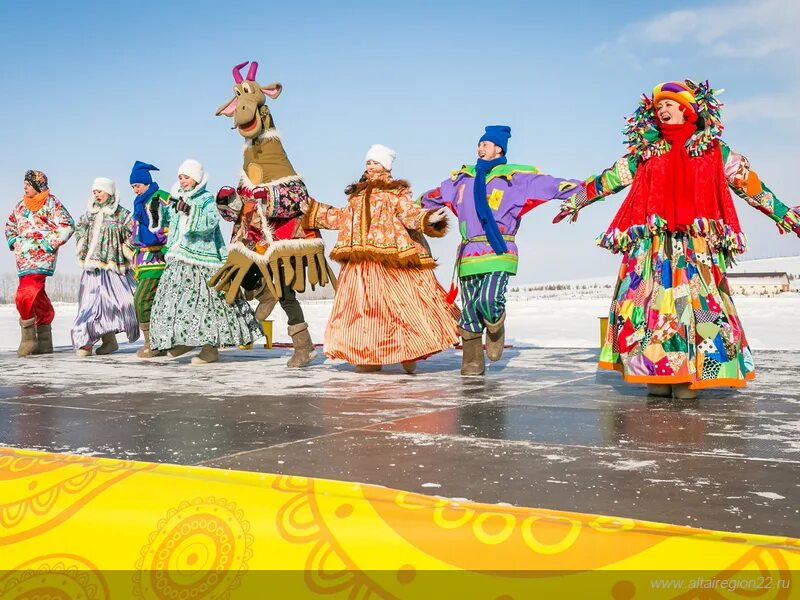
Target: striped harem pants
point(483, 299)
point(144, 296)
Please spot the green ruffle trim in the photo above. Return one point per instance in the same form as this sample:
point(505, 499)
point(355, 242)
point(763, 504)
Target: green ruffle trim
point(506, 171)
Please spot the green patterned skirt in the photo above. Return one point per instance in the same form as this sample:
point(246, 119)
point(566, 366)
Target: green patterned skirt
point(672, 319)
point(186, 312)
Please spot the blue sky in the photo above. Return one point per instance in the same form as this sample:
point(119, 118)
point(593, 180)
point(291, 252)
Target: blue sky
point(90, 87)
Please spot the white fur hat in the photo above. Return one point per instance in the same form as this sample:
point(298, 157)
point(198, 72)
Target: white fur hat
point(382, 155)
point(104, 184)
point(192, 168)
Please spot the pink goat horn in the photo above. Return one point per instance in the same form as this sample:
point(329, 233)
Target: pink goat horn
point(251, 73)
point(237, 75)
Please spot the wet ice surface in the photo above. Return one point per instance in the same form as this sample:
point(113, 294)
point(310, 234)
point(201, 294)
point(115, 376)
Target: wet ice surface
point(543, 429)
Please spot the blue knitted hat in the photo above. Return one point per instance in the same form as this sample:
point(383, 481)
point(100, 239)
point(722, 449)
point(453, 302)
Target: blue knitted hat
point(498, 135)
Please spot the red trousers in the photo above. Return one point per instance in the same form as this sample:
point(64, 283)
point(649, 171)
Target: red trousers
point(32, 300)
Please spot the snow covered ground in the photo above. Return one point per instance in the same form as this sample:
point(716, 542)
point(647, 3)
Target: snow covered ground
point(558, 321)
point(562, 314)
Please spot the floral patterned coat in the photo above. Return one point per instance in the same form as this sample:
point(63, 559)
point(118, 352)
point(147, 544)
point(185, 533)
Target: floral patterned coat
point(380, 222)
point(104, 238)
point(35, 237)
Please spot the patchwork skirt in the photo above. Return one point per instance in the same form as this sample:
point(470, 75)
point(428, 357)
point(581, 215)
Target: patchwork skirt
point(105, 305)
point(186, 312)
point(385, 315)
point(672, 319)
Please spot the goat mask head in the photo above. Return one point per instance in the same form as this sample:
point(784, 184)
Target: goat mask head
point(248, 105)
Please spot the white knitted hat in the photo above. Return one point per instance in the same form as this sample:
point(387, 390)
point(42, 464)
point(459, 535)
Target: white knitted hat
point(192, 168)
point(104, 184)
point(382, 155)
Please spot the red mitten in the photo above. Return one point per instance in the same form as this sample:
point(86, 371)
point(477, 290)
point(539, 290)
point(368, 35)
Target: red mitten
point(225, 195)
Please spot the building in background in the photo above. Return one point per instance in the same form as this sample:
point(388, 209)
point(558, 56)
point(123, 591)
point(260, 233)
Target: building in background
point(749, 284)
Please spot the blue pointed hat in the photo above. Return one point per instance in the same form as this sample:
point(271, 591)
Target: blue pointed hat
point(140, 173)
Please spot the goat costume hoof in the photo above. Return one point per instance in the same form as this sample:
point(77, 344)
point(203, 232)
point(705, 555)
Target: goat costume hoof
point(304, 351)
point(495, 338)
point(472, 361)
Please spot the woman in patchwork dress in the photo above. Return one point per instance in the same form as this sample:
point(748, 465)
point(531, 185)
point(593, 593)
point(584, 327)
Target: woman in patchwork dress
point(672, 323)
point(186, 312)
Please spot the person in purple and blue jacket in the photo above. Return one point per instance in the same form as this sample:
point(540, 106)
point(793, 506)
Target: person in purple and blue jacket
point(151, 216)
point(489, 200)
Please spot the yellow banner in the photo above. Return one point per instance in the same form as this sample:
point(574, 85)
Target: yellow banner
point(79, 527)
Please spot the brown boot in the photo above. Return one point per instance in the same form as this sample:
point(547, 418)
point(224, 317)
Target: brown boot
point(179, 351)
point(266, 302)
point(659, 389)
point(27, 344)
point(146, 351)
point(304, 351)
point(681, 391)
point(109, 344)
point(495, 338)
point(368, 368)
point(44, 339)
point(208, 354)
point(472, 362)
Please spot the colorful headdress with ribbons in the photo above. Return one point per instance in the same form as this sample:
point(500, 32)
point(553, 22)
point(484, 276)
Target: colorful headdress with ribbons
point(643, 137)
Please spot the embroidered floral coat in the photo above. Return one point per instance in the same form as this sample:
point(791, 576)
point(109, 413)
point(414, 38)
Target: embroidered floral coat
point(195, 238)
point(380, 222)
point(35, 237)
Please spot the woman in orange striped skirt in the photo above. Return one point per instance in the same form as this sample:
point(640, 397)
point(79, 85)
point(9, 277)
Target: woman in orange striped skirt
point(389, 307)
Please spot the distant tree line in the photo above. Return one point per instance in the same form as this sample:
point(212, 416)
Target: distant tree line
point(63, 287)
point(550, 287)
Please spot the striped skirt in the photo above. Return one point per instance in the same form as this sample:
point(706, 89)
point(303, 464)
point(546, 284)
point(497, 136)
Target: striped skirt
point(105, 305)
point(673, 320)
point(384, 315)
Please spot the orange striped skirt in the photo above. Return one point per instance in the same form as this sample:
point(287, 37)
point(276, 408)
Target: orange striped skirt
point(384, 315)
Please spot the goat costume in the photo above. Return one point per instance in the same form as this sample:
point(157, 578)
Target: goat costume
point(36, 228)
point(105, 253)
point(489, 200)
point(271, 255)
point(389, 307)
point(186, 311)
point(672, 319)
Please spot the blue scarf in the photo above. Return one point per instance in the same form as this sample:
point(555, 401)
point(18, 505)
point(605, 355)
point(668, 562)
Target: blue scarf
point(140, 203)
point(482, 169)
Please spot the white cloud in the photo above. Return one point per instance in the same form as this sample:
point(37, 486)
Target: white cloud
point(781, 106)
point(749, 29)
